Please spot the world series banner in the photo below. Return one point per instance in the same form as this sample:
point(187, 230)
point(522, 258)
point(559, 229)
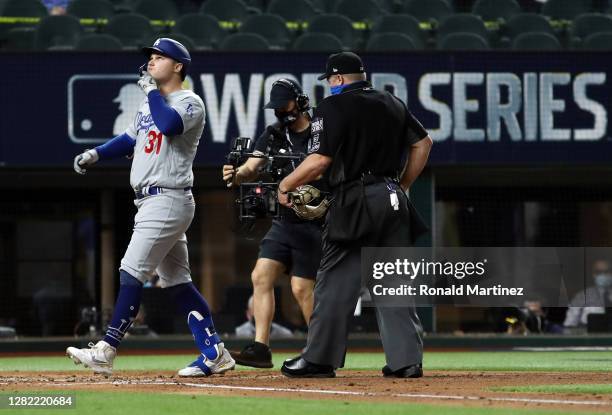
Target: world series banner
point(494, 108)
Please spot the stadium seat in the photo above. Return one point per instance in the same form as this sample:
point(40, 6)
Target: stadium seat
point(246, 42)
point(325, 6)
point(337, 25)
point(463, 22)
point(600, 6)
point(588, 24)
point(91, 9)
point(360, 10)
point(123, 6)
point(293, 10)
point(21, 8)
point(598, 41)
point(273, 28)
point(402, 23)
point(463, 41)
point(24, 8)
point(233, 11)
point(98, 41)
point(491, 10)
point(204, 30)
point(20, 38)
point(258, 6)
point(390, 42)
point(318, 42)
point(157, 9)
point(390, 6)
point(536, 41)
point(427, 10)
point(527, 22)
point(565, 9)
point(58, 32)
point(133, 30)
point(461, 6)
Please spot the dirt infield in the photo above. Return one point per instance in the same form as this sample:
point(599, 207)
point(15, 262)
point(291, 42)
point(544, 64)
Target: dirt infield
point(440, 387)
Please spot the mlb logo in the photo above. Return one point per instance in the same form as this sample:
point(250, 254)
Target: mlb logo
point(101, 106)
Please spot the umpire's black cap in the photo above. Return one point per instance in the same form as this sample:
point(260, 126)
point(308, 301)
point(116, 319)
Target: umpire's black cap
point(342, 63)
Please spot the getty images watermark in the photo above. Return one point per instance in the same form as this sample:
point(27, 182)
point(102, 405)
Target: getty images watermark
point(483, 276)
point(436, 269)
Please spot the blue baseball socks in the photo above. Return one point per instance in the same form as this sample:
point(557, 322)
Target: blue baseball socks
point(192, 305)
point(126, 308)
point(188, 300)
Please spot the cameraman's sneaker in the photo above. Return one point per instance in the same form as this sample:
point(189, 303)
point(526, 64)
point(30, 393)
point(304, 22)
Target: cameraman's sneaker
point(203, 366)
point(98, 357)
point(254, 354)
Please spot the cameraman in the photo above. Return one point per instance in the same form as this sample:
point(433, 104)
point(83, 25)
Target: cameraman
point(292, 245)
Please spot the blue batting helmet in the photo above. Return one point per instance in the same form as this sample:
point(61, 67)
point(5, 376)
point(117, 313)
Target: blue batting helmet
point(172, 49)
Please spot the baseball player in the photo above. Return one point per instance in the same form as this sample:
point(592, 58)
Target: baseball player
point(163, 140)
point(293, 244)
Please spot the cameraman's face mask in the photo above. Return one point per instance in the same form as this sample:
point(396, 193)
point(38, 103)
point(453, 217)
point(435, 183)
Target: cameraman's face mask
point(286, 118)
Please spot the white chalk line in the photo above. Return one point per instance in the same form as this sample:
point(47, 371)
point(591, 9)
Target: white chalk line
point(342, 392)
point(564, 349)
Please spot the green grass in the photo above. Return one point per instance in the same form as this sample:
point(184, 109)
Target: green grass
point(121, 403)
point(600, 389)
point(480, 361)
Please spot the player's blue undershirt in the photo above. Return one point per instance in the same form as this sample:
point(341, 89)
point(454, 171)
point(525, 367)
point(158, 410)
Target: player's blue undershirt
point(166, 119)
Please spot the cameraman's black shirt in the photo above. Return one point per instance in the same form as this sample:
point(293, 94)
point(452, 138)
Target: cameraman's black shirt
point(295, 143)
point(365, 131)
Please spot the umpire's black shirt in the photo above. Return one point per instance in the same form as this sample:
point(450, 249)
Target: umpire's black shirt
point(365, 131)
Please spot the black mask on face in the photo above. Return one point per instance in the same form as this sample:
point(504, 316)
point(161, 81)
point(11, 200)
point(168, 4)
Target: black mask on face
point(286, 118)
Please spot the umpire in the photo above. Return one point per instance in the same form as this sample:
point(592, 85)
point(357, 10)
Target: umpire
point(360, 137)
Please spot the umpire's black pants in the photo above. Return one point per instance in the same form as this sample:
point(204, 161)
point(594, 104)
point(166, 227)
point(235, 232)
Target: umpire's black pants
point(338, 285)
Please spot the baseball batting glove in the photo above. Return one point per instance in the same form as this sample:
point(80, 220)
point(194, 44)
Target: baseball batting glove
point(147, 83)
point(85, 159)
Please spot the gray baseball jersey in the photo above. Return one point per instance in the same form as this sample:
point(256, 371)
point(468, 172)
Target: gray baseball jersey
point(166, 161)
point(159, 244)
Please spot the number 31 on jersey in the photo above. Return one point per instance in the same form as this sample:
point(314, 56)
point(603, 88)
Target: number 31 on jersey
point(155, 142)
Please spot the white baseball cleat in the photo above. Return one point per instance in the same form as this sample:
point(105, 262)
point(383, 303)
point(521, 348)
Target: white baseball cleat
point(203, 366)
point(98, 357)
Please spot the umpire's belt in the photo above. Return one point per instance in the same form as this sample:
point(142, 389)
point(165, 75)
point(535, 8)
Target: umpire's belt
point(369, 178)
point(152, 191)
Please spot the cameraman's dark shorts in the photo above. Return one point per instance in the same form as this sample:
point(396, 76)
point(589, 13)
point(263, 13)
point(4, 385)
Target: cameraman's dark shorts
point(296, 245)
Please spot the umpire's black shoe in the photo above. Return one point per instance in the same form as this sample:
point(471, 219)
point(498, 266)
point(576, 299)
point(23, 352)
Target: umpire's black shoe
point(254, 355)
point(300, 368)
point(414, 371)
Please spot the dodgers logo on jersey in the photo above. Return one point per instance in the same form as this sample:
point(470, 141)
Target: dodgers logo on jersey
point(189, 110)
point(143, 122)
